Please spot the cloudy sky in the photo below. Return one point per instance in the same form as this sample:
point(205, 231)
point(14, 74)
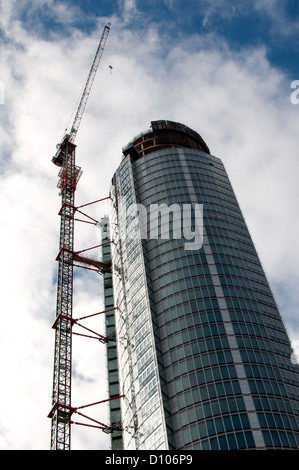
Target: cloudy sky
point(222, 67)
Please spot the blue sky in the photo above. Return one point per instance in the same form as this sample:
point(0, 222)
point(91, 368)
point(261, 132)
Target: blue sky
point(271, 24)
point(224, 68)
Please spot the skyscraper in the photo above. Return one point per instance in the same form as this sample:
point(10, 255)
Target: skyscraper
point(202, 357)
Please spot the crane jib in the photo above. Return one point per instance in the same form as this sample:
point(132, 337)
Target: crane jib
point(58, 158)
point(89, 83)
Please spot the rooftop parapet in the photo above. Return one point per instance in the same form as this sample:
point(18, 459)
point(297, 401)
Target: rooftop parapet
point(164, 134)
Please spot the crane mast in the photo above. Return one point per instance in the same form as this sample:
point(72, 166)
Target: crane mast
point(69, 176)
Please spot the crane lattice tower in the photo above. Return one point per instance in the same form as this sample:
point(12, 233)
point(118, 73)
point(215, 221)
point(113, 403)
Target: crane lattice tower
point(69, 176)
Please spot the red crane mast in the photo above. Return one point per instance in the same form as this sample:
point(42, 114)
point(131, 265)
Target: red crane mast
point(69, 176)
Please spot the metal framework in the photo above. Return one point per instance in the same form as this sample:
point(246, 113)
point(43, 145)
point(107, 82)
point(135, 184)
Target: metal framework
point(89, 83)
point(61, 399)
point(62, 410)
point(69, 175)
point(70, 138)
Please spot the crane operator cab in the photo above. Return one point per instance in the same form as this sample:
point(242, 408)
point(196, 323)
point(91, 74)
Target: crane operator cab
point(59, 157)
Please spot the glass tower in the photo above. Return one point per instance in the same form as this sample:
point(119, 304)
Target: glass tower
point(202, 357)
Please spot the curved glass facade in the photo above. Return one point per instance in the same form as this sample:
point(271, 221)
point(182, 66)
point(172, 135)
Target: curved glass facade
point(204, 358)
point(142, 410)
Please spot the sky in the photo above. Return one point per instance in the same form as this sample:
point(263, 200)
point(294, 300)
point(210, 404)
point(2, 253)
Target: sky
point(227, 69)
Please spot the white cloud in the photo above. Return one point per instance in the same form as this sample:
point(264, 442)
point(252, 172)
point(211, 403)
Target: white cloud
point(129, 9)
point(237, 102)
point(283, 24)
point(225, 9)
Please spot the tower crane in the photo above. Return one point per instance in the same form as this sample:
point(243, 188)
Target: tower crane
point(58, 159)
point(69, 174)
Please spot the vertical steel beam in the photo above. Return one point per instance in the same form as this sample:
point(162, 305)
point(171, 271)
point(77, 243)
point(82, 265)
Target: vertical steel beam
point(61, 399)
